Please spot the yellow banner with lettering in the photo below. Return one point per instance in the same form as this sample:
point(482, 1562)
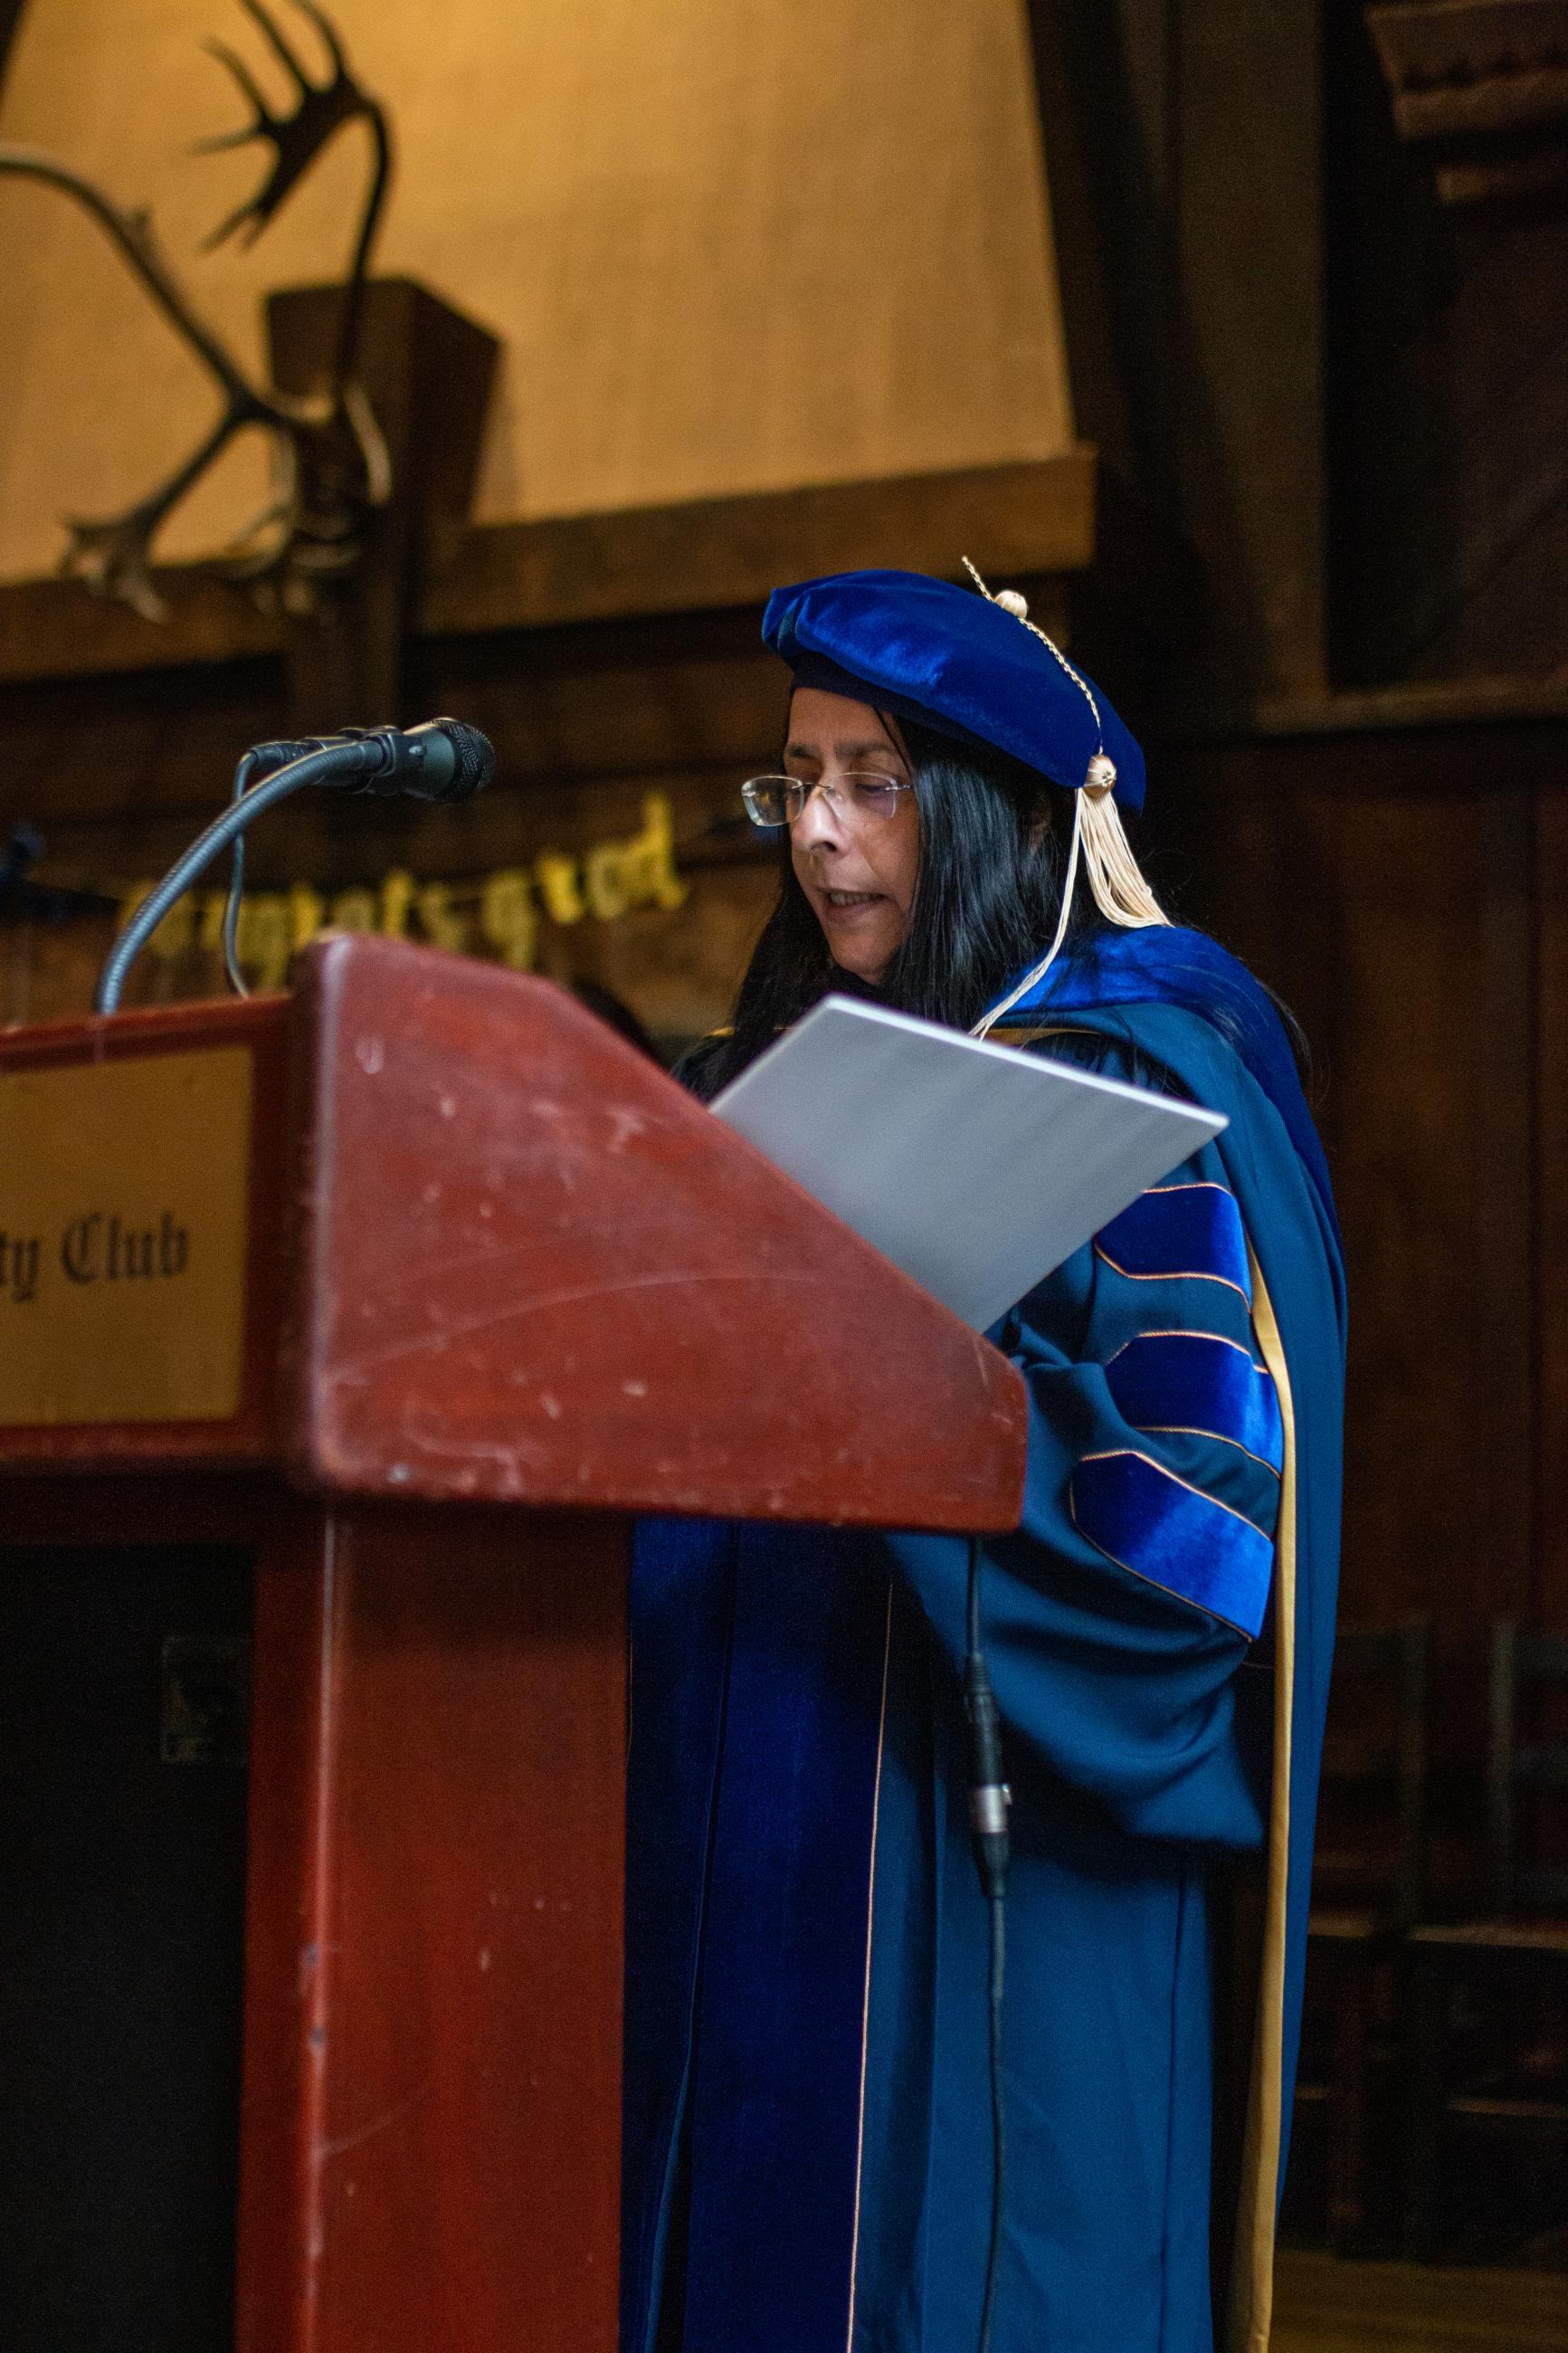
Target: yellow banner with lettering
point(497, 915)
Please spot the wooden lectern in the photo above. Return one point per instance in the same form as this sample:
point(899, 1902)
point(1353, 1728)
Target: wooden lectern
point(364, 1321)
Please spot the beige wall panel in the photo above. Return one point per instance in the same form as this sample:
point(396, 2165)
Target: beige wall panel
point(730, 245)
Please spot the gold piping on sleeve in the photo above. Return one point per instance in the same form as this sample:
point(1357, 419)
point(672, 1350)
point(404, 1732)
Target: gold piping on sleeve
point(1191, 1430)
point(1185, 1331)
point(865, 1998)
point(1185, 1598)
point(1252, 2278)
point(1176, 1274)
point(1169, 1273)
point(1193, 1185)
point(1136, 1454)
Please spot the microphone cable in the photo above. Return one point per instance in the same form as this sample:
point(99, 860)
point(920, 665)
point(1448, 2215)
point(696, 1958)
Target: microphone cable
point(989, 1799)
point(245, 775)
point(262, 759)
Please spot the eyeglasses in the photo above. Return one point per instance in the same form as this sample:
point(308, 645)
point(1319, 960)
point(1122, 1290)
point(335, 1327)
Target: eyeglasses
point(859, 795)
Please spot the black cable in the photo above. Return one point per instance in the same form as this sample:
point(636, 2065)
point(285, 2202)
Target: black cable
point(242, 777)
point(196, 858)
point(263, 759)
point(989, 1798)
point(998, 2138)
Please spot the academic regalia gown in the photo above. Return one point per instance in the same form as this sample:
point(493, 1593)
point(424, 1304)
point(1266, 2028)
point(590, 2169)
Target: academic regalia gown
point(807, 2114)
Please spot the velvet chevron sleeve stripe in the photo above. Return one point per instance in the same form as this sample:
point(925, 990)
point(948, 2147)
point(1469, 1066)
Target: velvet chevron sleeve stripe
point(1201, 1384)
point(1187, 1231)
point(1172, 1535)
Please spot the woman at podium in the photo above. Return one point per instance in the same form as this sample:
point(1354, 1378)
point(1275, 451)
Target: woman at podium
point(808, 2143)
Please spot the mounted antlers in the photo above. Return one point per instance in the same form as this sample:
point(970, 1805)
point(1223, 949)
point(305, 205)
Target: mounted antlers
point(329, 462)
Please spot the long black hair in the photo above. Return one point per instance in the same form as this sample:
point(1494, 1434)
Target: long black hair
point(993, 849)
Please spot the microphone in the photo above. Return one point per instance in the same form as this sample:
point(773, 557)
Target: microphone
point(442, 759)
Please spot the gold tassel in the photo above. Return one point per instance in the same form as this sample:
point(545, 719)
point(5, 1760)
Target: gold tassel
point(1114, 875)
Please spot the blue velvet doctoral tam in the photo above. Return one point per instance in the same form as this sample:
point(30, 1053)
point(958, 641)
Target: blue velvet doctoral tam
point(806, 2122)
point(955, 659)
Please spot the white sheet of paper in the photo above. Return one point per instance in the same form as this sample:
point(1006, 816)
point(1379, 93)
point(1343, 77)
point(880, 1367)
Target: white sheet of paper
point(976, 1168)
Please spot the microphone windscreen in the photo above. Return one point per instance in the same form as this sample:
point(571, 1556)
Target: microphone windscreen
point(470, 763)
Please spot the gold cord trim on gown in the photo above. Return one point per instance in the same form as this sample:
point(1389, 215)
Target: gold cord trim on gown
point(1251, 2312)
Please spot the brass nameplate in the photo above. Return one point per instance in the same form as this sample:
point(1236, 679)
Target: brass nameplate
point(122, 1240)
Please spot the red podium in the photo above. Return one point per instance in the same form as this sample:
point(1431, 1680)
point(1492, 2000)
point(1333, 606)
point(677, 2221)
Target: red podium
point(406, 1292)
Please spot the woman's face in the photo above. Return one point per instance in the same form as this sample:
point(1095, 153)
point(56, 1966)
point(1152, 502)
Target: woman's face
point(859, 872)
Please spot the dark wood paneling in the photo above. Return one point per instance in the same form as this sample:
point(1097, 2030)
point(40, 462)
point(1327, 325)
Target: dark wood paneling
point(119, 775)
point(1348, 406)
point(1551, 1204)
point(1248, 203)
point(95, 750)
point(1190, 264)
point(118, 787)
point(1448, 340)
point(1393, 886)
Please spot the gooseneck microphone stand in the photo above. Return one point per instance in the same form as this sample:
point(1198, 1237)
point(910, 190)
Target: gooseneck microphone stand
point(442, 759)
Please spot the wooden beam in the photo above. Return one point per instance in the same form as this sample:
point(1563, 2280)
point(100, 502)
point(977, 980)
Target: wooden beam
point(1423, 704)
point(426, 372)
point(1036, 517)
point(1032, 518)
point(58, 628)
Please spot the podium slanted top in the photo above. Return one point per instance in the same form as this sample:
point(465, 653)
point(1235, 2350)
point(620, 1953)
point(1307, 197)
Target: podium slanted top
point(487, 1253)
